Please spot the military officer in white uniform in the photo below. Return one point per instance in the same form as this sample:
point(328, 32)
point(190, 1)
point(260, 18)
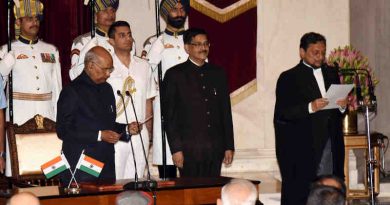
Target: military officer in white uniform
point(168, 49)
point(35, 66)
point(105, 16)
point(131, 74)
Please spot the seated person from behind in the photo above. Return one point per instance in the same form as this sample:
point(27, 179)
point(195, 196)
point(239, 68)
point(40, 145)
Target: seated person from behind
point(238, 192)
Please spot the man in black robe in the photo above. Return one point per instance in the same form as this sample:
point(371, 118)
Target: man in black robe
point(197, 112)
point(86, 117)
point(309, 140)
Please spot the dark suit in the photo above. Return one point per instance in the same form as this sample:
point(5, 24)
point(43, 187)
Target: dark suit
point(300, 136)
point(84, 108)
point(197, 112)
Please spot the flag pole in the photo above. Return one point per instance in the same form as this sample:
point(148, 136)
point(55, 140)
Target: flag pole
point(10, 83)
point(160, 79)
point(92, 9)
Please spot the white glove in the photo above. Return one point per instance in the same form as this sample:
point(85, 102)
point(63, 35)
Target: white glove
point(155, 52)
point(159, 47)
point(7, 63)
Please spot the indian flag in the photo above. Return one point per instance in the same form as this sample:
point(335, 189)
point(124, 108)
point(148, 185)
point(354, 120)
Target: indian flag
point(90, 165)
point(55, 166)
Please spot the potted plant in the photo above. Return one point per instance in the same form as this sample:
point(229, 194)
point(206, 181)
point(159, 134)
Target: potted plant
point(350, 58)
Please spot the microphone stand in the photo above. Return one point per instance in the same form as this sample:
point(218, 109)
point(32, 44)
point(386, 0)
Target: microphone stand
point(150, 183)
point(131, 185)
point(371, 162)
point(365, 107)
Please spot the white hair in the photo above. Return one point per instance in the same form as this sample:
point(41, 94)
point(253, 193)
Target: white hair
point(239, 192)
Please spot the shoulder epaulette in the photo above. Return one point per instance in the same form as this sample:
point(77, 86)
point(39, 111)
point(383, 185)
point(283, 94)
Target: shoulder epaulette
point(79, 39)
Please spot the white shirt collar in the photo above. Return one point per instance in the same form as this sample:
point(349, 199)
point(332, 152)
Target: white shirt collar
point(195, 63)
point(310, 66)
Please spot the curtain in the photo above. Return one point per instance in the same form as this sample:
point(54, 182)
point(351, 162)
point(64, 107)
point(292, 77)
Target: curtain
point(232, 29)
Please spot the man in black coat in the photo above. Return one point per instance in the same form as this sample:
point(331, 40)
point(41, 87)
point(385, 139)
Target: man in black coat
point(86, 117)
point(197, 112)
point(309, 140)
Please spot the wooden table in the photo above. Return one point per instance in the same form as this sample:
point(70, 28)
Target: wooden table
point(184, 191)
point(359, 141)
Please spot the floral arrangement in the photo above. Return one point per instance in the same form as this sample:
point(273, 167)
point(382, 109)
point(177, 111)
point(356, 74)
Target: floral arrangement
point(350, 58)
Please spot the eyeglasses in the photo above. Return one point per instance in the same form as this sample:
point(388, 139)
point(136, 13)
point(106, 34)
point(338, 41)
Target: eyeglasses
point(200, 45)
point(110, 70)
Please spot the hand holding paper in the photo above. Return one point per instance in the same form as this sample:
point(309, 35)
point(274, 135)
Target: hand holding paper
point(319, 104)
point(335, 93)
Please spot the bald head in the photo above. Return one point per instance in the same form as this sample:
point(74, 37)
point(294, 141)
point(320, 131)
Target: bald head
point(134, 198)
point(98, 64)
point(97, 54)
point(239, 192)
point(24, 198)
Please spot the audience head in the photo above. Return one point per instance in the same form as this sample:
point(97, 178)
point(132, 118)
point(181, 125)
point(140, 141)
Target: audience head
point(196, 44)
point(174, 12)
point(238, 192)
point(325, 195)
point(24, 198)
point(333, 181)
point(98, 64)
point(312, 49)
point(134, 198)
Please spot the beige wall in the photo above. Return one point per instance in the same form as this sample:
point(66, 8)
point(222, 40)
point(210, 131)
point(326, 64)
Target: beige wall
point(281, 23)
point(370, 33)
point(141, 16)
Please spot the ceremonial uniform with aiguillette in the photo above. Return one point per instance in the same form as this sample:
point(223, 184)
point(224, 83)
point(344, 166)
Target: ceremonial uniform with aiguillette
point(167, 49)
point(36, 73)
point(137, 79)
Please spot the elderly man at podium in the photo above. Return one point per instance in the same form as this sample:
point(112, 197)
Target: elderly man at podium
point(86, 117)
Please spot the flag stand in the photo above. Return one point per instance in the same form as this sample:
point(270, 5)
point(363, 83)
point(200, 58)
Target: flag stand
point(73, 189)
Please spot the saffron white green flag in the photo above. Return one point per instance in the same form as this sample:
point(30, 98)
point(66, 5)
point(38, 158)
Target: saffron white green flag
point(55, 166)
point(90, 165)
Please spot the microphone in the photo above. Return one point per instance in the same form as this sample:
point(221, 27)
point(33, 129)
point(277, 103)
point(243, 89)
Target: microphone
point(135, 185)
point(358, 88)
point(150, 183)
point(353, 72)
point(371, 87)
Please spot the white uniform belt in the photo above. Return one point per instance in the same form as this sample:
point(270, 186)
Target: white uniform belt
point(32, 97)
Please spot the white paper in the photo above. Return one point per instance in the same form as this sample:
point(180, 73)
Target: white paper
point(337, 92)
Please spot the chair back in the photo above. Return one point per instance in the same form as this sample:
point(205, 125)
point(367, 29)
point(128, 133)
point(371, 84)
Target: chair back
point(31, 145)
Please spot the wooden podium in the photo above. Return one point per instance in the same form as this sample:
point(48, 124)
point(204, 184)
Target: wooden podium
point(181, 191)
point(359, 141)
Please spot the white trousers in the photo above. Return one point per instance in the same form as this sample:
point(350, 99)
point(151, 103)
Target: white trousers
point(124, 162)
